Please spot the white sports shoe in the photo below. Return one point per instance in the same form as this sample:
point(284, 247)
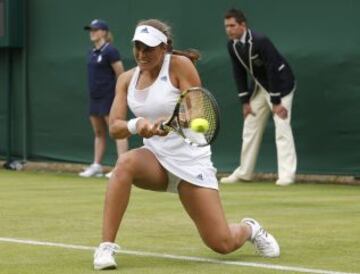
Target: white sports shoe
point(92, 170)
point(264, 242)
point(104, 256)
point(282, 182)
point(234, 178)
point(108, 175)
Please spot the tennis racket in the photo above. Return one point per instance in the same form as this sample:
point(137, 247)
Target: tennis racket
point(194, 103)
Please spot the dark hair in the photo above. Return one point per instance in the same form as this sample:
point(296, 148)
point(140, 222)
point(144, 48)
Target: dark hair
point(237, 14)
point(192, 54)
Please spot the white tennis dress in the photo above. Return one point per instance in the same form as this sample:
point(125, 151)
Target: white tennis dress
point(182, 161)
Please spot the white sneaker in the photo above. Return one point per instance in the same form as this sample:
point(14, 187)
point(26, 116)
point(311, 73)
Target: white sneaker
point(282, 182)
point(263, 241)
point(92, 170)
point(104, 256)
point(234, 178)
point(108, 175)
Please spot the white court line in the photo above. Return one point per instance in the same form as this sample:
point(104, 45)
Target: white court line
point(182, 258)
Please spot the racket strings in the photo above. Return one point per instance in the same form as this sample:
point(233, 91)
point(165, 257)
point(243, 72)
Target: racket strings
point(198, 104)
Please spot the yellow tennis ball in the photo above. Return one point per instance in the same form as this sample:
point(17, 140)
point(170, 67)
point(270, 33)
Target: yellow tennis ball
point(200, 125)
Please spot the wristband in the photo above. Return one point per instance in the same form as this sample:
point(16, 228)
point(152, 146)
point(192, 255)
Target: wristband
point(131, 125)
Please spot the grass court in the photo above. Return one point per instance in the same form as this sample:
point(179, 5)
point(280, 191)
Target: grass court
point(317, 226)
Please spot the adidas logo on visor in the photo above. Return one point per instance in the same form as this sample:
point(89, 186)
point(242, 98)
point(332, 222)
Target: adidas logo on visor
point(144, 30)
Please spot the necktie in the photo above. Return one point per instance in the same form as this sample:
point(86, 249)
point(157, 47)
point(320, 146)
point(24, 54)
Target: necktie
point(241, 46)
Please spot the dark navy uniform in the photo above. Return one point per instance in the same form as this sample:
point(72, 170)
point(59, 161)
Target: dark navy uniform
point(259, 58)
point(102, 79)
point(271, 83)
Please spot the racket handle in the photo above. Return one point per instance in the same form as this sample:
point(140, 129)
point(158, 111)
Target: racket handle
point(163, 126)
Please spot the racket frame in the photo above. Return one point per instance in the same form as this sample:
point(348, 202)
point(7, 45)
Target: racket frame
point(167, 125)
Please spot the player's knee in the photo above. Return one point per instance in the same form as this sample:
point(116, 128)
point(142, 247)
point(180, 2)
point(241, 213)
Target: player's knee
point(125, 164)
point(222, 246)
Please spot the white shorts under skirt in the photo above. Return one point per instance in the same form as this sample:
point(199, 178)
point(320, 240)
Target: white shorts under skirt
point(200, 172)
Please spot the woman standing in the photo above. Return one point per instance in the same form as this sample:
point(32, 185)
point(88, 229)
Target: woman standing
point(166, 162)
point(104, 67)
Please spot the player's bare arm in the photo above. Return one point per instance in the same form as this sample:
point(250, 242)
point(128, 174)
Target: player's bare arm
point(118, 113)
point(183, 73)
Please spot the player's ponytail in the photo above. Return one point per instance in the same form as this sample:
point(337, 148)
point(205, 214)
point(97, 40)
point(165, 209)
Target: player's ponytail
point(192, 54)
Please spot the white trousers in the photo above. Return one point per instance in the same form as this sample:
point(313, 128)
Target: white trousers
point(253, 130)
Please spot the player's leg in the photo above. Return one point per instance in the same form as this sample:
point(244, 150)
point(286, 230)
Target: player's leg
point(122, 145)
point(204, 207)
point(99, 127)
point(139, 167)
point(253, 130)
point(285, 145)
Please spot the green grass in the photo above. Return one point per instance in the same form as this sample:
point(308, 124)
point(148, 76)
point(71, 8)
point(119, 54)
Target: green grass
point(317, 226)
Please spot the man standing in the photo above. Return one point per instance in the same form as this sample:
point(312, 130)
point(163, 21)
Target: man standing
point(270, 89)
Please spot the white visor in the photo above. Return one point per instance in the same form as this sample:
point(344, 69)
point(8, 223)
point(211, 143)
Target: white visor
point(149, 35)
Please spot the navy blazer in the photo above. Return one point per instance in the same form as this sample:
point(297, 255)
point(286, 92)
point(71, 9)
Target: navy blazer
point(259, 59)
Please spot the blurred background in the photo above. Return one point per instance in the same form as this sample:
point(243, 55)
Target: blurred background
point(43, 84)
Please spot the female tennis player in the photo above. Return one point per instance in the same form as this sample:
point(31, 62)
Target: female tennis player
point(166, 162)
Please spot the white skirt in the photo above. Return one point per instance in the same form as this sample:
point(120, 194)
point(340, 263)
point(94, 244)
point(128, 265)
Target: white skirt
point(193, 166)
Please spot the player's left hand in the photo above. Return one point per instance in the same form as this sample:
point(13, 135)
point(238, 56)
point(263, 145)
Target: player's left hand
point(280, 111)
point(157, 128)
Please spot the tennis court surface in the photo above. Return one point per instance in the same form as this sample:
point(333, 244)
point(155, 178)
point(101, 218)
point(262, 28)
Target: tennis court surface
point(51, 222)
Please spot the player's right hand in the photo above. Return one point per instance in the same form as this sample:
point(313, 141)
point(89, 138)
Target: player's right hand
point(147, 129)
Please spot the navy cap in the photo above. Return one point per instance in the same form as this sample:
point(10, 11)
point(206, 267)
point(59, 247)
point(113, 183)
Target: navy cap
point(97, 24)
